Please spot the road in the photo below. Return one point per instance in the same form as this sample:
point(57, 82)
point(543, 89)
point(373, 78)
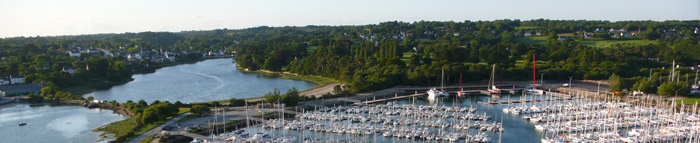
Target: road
point(230, 114)
point(158, 128)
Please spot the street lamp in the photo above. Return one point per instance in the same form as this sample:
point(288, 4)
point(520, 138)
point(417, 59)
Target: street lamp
point(570, 78)
point(542, 79)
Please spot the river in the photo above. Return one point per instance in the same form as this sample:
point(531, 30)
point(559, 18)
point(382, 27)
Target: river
point(52, 124)
point(209, 80)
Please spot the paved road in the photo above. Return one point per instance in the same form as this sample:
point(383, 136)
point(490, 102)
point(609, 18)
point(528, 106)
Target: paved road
point(158, 128)
point(231, 114)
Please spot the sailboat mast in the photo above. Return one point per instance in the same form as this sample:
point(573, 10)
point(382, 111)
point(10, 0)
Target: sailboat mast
point(462, 89)
point(442, 81)
point(534, 83)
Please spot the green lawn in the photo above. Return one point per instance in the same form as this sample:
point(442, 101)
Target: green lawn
point(407, 56)
point(310, 50)
point(183, 111)
point(532, 40)
point(526, 27)
point(120, 128)
point(520, 64)
point(608, 43)
point(540, 40)
point(689, 101)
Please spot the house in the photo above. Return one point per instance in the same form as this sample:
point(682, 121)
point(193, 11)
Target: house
point(4, 81)
point(527, 34)
point(69, 70)
point(134, 57)
point(170, 56)
point(74, 53)
point(538, 33)
point(17, 79)
point(19, 89)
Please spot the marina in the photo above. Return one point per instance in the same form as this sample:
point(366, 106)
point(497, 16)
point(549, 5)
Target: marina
point(525, 117)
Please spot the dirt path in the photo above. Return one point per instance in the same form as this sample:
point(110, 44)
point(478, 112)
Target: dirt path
point(317, 92)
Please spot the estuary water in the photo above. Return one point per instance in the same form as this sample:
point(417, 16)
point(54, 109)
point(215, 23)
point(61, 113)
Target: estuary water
point(209, 80)
point(52, 124)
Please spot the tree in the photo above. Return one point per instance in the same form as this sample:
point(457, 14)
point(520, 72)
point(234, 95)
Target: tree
point(650, 34)
point(272, 64)
point(273, 96)
point(90, 98)
point(643, 85)
point(200, 110)
point(615, 83)
point(667, 89)
point(291, 98)
point(179, 104)
point(236, 102)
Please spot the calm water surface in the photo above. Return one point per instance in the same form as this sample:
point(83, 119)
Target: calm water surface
point(52, 124)
point(210, 80)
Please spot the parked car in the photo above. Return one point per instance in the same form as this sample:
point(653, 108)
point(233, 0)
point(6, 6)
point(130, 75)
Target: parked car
point(565, 85)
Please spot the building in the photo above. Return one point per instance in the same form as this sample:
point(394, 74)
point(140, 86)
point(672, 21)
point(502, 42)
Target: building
point(69, 70)
point(527, 34)
point(4, 81)
point(170, 56)
point(19, 89)
point(74, 53)
point(16, 79)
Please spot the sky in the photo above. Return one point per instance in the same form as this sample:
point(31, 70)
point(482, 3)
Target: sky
point(74, 17)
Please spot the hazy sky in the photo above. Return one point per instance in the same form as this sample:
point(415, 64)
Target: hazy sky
point(71, 17)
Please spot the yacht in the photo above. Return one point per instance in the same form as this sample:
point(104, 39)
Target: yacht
point(434, 93)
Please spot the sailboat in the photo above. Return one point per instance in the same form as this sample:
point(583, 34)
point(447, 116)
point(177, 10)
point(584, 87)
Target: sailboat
point(534, 89)
point(695, 89)
point(492, 83)
point(434, 93)
point(461, 89)
point(20, 119)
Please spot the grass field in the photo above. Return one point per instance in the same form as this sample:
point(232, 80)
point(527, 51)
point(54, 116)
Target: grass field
point(120, 128)
point(407, 56)
point(540, 40)
point(608, 43)
point(526, 27)
point(532, 40)
point(520, 64)
point(310, 50)
point(689, 101)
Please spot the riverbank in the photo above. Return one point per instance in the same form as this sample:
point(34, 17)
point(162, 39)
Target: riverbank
point(324, 84)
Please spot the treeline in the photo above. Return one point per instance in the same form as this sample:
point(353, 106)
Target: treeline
point(348, 53)
point(400, 53)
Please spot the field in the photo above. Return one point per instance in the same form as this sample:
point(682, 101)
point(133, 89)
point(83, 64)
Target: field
point(526, 27)
point(532, 40)
point(310, 50)
point(689, 101)
point(540, 40)
point(608, 43)
point(407, 56)
point(520, 64)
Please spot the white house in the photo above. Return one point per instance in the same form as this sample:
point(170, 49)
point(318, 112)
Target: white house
point(134, 57)
point(69, 70)
point(17, 79)
point(170, 56)
point(74, 53)
point(4, 81)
